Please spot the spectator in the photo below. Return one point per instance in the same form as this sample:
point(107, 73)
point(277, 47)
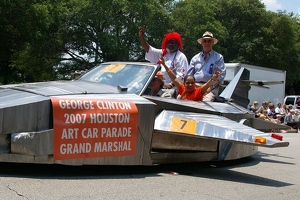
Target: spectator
point(271, 110)
point(187, 90)
point(202, 65)
point(289, 108)
point(264, 106)
point(284, 109)
point(272, 114)
point(298, 120)
point(297, 104)
point(279, 112)
point(171, 49)
point(254, 108)
point(265, 116)
point(291, 119)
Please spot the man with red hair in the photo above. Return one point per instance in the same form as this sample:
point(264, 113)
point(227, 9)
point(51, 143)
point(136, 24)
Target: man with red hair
point(171, 50)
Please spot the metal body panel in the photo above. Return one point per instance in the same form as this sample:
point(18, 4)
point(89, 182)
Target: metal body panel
point(41, 143)
point(27, 117)
point(18, 158)
point(261, 124)
point(237, 89)
point(215, 108)
point(177, 141)
point(32, 143)
point(32, 103)
point(220, 131)
point(181, 157)
point(216, 127)
point(23, 111)
point(237, 151)
point(4, 143)
point(63, 88)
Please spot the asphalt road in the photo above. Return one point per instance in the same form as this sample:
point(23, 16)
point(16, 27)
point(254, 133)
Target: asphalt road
point(271, 174)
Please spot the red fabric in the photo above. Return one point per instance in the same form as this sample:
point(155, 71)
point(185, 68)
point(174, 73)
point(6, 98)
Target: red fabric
point(170, 36)
point(195, 95)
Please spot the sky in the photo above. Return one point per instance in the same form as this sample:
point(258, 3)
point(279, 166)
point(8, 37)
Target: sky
point(288, 5)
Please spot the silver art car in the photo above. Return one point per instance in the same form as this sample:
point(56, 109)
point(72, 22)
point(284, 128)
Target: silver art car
point(105, 117)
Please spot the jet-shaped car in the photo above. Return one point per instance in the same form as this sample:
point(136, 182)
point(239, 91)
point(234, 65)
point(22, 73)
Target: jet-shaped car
point(106, 117)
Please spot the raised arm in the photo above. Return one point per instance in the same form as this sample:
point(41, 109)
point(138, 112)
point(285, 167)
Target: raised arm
point(170, 73)
point(143, 41)
point(211, 82)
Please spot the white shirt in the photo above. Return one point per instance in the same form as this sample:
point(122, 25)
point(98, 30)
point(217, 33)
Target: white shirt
point(177, 62)
point(279, 110)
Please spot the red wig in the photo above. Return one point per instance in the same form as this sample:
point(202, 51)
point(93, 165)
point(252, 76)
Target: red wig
point(170, 36)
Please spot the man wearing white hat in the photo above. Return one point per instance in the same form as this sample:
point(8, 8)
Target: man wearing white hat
point(203, 64)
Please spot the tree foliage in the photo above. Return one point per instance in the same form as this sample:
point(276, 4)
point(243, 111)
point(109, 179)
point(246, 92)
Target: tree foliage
point(41, 39)
point(107, 30)
point(247, 33)
point(192, 18)
point(31, 31)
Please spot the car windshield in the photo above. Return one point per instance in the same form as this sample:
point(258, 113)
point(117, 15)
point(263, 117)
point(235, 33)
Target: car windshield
point(134, 77)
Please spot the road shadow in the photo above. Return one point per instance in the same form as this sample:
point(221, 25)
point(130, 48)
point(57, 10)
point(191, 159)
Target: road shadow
point(219, 170)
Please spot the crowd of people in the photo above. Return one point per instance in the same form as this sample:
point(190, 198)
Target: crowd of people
point(281, 114)
point(197, 81)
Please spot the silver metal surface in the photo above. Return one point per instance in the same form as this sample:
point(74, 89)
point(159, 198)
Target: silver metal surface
point(217, 127)
point(23, 112)
point(32, 143)
point(63, 88)
point(163, 140)
point(222, 131)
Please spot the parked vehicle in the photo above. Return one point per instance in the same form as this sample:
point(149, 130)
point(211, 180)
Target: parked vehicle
point(291, 99)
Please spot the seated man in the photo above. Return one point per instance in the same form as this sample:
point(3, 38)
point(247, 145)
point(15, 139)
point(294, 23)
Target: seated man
point(291, 119)
point(156, 87)
point(266, 117)
point(271, 110)
point(254, 108)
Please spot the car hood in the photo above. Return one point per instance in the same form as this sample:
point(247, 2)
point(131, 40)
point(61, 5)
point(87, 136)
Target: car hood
point(52, 88)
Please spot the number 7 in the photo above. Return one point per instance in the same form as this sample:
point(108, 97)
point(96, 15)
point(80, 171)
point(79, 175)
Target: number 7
point(184, 123)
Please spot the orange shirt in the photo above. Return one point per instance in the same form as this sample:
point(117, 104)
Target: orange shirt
point(195, 95)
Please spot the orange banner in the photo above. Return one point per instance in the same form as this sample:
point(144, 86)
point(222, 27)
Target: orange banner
point(89, 128)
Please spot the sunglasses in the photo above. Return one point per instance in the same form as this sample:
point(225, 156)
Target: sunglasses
point(208, 41)
point(189, 83)
point(172, 42)
point(155, 79)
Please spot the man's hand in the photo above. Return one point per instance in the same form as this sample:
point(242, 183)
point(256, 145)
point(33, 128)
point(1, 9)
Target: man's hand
point(142, 30)
point(216, 74)
point(162, 61)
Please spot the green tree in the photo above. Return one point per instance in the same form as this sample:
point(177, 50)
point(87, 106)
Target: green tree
point(107, 30)
point(244, 21)
point(282, 48)
point(191, 18)
point(259, 37)
point(13, 28)
point(247, 33)
point(43, 38)
point(32, 30)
